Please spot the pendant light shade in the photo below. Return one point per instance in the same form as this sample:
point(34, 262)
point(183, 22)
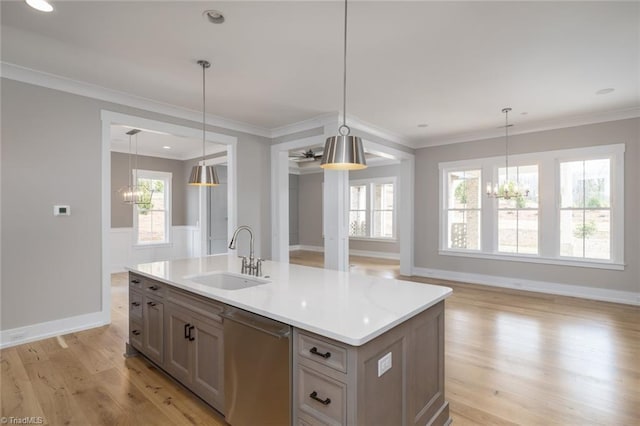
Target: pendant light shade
point(344, 152)
point(201, 174)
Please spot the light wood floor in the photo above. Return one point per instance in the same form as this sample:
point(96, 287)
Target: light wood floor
point(511, 358)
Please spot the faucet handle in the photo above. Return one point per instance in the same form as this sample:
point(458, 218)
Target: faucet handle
point(244, 265)
point(259, 267)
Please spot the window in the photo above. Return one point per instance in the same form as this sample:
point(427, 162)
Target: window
point(463, 209)
point(358, 211)
point(372, 209)
point(152, 218)
point(585, 208)
point(573, 215)
point(518, 217)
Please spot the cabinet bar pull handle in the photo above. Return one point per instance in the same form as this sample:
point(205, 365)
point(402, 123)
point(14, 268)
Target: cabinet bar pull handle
point(191, 338)
point(314, 395)
point(135, 281)
point(186, 330)
point(136, 332)
point(325, 355)
point(154, 287)
point(135, 303)
point(151, 303)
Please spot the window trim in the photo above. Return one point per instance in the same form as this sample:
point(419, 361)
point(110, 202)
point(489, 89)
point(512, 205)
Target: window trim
point(549, 217)
point(369, 211)
point(168, 178)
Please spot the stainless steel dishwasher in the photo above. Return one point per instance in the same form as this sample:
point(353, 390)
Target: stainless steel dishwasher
point(257, 369)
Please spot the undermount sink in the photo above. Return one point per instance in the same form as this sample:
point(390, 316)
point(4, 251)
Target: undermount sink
point(227, 281)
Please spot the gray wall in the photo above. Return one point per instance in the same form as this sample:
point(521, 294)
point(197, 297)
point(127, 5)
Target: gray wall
point(426, 204)
point(121, 213)
point(51, 154)
point(294, 238)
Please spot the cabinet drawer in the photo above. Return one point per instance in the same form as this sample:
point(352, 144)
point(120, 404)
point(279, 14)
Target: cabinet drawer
point(135, 281)
point(135, 334)
point(322, 352)
point(155, 288)
point(135, 305)
point(320, 397)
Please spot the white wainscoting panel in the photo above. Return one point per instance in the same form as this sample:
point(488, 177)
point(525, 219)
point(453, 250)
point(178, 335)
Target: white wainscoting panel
point(185, 242)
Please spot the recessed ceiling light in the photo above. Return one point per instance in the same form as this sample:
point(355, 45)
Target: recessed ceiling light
point(213, 16)
point(41, 5)
point(605, 91)
point(166, 147)
point(423, 125)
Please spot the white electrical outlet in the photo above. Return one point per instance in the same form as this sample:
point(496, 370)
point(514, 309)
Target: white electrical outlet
point(384, 364)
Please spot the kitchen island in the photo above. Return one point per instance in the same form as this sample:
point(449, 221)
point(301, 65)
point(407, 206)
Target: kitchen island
point(364, 350)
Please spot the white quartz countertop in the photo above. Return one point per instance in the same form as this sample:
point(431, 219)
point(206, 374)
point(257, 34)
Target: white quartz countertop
point(348, 307)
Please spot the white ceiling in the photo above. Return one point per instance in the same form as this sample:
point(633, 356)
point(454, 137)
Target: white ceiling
point(152, 143)
point(453, 65)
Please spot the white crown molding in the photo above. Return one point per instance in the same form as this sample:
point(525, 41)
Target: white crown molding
point(594, 293)
point(64, 84)
point(372, 129)
point(56, 82)
point(301, 126)
point(540, 126)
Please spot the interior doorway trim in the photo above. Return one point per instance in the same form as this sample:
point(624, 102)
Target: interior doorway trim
point(280, 196)
point(110, 118)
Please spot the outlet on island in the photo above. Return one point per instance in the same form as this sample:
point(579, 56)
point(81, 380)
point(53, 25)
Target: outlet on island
point(384, 364)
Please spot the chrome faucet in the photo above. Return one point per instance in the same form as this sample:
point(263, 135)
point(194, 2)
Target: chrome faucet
point(254, 266)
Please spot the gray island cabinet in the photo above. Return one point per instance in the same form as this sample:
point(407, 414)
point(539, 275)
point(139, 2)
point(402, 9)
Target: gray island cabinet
point(411, 392)
point(395, 377)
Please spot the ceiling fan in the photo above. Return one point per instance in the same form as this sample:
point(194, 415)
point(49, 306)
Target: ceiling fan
point(305, 156)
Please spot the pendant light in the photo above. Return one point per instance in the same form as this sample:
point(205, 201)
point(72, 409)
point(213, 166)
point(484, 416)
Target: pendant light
point(132, 193)
point(344, 152)
point(508, 189)
point(201, 174)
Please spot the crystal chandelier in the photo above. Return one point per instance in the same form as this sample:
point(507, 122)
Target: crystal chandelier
point(132, 193)
point(509, 188)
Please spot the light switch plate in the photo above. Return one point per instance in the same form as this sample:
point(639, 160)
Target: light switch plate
point(384, 364)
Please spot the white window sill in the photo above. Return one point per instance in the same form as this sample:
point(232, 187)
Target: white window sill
point(535, 259)
point(372, 239)
point(151, 245)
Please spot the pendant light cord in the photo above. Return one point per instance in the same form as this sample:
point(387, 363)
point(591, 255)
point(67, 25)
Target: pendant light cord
point(506, 143)
point(344, 75)
point(203, 110)
point(136, 178)
point(130, 169)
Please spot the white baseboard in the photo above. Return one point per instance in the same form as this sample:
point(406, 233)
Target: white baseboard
point(376, 254)
point(364, 253)
point(318, 249)
point(44, 330)
point(593, 293)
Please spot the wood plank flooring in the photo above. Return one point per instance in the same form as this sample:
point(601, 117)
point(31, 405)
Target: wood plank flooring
point(512, 357)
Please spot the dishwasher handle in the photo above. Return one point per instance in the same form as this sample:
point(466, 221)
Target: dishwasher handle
point(246, 320)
